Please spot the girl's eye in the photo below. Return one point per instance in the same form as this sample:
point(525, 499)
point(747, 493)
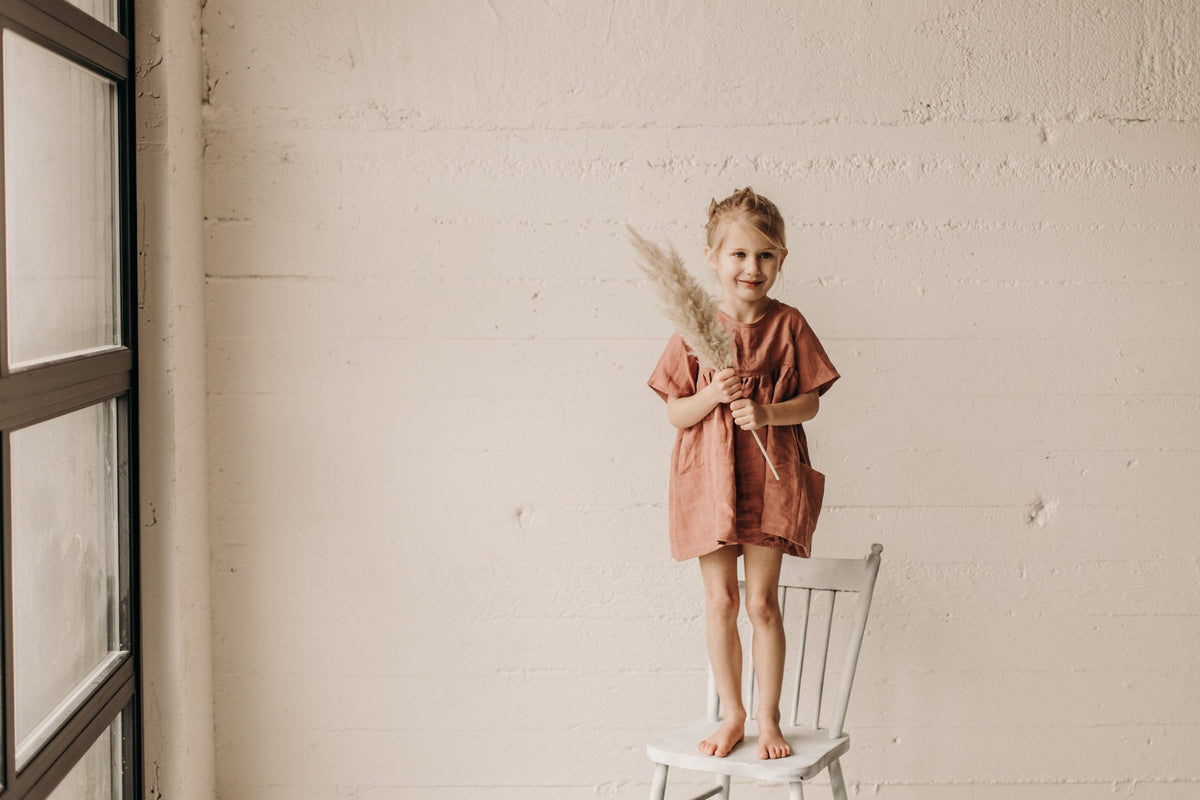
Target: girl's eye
point(766, 256)
point(739, 254)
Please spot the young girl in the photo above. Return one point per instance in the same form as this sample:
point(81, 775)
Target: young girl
point(723, 501)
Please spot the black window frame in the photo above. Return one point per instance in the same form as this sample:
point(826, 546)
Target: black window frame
point(48, 390)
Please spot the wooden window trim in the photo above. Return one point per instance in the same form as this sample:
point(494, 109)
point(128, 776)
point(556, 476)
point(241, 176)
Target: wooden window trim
point(50, 389)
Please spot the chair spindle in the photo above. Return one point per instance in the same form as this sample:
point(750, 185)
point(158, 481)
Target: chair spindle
point(816, 723)
point(800, 662)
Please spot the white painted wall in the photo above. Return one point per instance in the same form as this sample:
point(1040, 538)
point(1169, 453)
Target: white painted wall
point(437, 480)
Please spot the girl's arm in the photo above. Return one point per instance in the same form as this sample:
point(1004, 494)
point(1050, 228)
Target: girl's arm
point(750, 416)
point(684, 412)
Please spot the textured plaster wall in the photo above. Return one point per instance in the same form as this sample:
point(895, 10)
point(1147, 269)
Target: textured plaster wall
point(437, 480)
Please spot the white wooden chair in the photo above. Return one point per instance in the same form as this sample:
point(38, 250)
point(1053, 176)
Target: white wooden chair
point(813, 748)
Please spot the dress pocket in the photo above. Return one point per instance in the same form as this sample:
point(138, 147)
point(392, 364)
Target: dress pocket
point(688, 449)
point(812, 494)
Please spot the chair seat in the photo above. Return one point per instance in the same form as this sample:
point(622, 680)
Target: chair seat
point(812, 751)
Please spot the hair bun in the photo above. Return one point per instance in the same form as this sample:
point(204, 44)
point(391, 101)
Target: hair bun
point(746, 205)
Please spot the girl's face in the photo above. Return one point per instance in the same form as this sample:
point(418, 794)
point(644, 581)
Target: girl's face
point(747, 264)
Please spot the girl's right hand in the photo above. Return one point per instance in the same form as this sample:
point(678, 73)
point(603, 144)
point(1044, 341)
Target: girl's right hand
point(726, 386)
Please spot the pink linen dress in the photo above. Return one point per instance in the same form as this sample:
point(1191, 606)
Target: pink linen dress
point(721, 491)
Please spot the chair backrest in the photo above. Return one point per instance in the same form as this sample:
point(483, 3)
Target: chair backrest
point(799, 580)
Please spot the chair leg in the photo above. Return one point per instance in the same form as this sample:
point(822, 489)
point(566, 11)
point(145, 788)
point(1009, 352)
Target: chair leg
point(723, 782)
point(836, 781)
point(658, 788)
point(796, 791)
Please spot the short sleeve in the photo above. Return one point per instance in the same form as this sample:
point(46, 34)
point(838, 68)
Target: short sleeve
point(675, 373)
point(816, 370)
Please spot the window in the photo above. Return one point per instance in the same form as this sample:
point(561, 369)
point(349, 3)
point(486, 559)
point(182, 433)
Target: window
point(70, 701)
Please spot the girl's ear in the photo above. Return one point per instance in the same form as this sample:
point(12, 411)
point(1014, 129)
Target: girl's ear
point(709, 255)
point(782, 257)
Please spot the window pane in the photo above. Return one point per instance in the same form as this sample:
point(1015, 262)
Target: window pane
point(60, 205)
point(97, 776)
point(103, 10)
point(67, 589)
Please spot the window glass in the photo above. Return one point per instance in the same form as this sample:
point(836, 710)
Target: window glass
point(103, 10)
point(97, 776)
point(60, 205)
point(68, 614)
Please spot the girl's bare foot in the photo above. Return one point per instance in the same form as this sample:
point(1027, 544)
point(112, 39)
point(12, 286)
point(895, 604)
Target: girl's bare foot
point(732, 731)
point(771, 743)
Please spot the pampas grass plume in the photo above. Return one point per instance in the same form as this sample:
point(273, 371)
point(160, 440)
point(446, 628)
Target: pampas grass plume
point(691, 309)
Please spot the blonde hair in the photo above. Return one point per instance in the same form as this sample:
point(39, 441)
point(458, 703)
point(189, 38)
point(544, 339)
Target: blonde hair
point(745, 206)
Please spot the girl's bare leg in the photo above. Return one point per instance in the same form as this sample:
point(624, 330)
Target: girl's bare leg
point(762, 605)
point(719, 571)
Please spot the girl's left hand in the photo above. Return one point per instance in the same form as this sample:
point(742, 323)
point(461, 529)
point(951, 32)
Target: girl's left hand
point(748, 415)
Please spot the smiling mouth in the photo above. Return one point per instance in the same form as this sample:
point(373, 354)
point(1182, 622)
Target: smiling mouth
point(751, 283)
